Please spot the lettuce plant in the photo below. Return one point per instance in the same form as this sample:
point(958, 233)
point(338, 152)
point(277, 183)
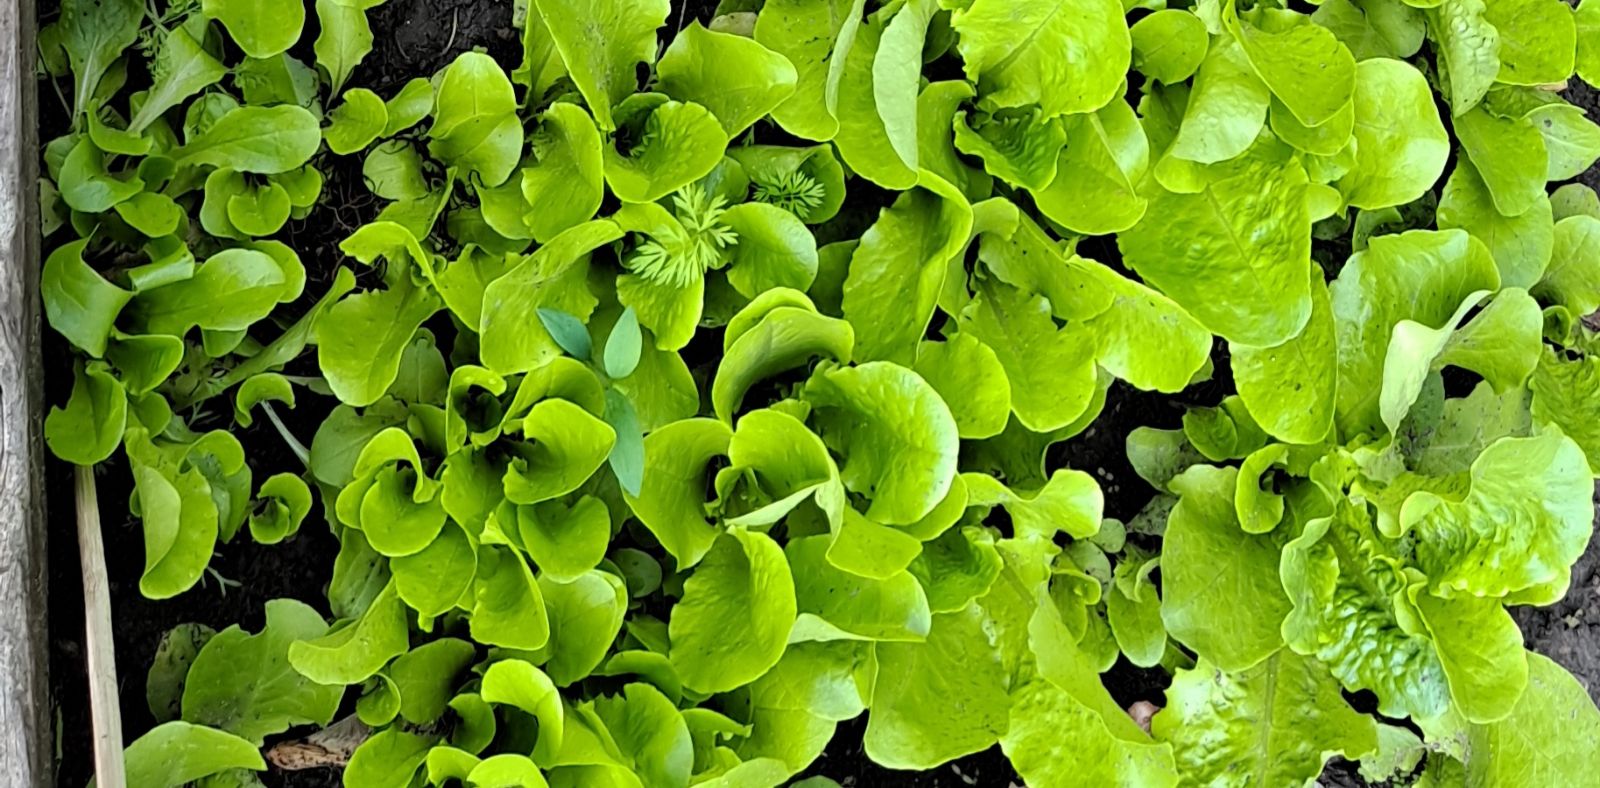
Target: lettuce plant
point(687, 400)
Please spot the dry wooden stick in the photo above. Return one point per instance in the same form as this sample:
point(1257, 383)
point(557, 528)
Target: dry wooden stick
point(104, 712)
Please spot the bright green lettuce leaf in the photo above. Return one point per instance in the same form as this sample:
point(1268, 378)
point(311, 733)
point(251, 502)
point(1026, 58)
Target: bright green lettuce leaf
point(1209, 564)
point(79, 303)
point(1051, 369)
point(775, 249)
point(808, 34)
point(671, 502)
point(1226, 110)
point(1133, 610)
point(553, 277)
point(263, 140)
point(1524, 520)
point(1551, 733)
point(1468, 48)
point(956, 567)
point(1571, 140)
point(1371, 30)
point(1420, 276)
point(243, 683)
point(177, 753)
point(94, 34)
point(874, 96)
point(259, 29)
point(807, 182)
point(938, 700)
point(517, 683)
point(674, 144)
point(1401, 145)
point(1095, 190)
point(735, 77)
point(1573, 279)
point(1562, 395)
point(736, 612)
point(1480, 648)
point(87, 186)
point(851, 606)
point(1510, 156)
point(1538, 40)
point(357, 122)
point(1070, 502)
point(903, 258)
point(475, 126)
point(434, 579)
point(566, 177)
point(361, 338)
point(1068, 56)
point(89, 428)
point(1522, 245)
point(1168, 45)
point(1274, 724)
point(585, 616)
point(389, 757)
point(601, 41)
point(343, 40)
point(1018, 146)
point(408, 106)
point(1290, 388)
point(969, 378)
point(181, 68)
point(283, 501)
point(508, 606)
point(426, 676)
point(358, 649)
point(1244, 233)
point(897, 437)
point(567, 445)
point(1304, 65)
point(565, 541)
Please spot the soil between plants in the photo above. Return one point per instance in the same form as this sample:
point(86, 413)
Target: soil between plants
point(415, 38)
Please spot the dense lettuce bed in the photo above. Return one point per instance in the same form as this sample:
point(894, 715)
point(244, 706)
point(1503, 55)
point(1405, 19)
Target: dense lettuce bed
point(688, 400)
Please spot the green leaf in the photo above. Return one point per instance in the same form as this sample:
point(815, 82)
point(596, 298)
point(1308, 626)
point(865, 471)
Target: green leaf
point(1572, 280)
point(343, 41)
point(508, 608)
point(263, 140)
point(585, 616)
point(1274, 724)
point(735, 615)
point(266, 387)
point(1290, 389)
point(565, 541)
point(671, 502)
point(1304, 65)
point(1524, 520)
point(851, 606)
point(95, 33)
point(552, 277)
point(426, 677)
point(79, 303)
point(177, 753)
point(1095, 186)
point(601, 41)
point(1549, 736)
point(261, 29)
point(809, 34)
point(1209, 565)
point(1051, 369)
point(1401, 145)
point(163, 690)
point(1372, 30)
point(1169, 45)
point(674, 144)
point(1563, 396)
point(569, 332)
point(1068, 56)
point(413, 102)
point(903, 256)
point(566, 178)
point(1225, 111)
point(1510, 156)
point(1469, 49)
point(624, 345)
point(1421, 276)
point(361, 338)
point(650, 733)
point(1522, 245)
point(437, 577)
point(389, 757)
point(475, 124)
point(358, 649)
point(1016, 146)
point(85, 184)
point(968, 376)
point(242, 683)
point(1480, 648)
point(938, 700)
point(898, 439)
point(874, 96)
point(90, 427)
point(356, 123)
point(627, 454)
point(181, 68)
point(568, 444)
point(1538, 39)
point(284, 500)
point(1070, 502)
point(734, 76)
point(1247, 232)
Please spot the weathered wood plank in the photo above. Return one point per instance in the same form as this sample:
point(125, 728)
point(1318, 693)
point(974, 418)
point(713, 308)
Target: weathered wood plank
point(25, 756)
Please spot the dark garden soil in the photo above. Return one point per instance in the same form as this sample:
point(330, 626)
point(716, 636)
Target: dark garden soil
point(415, 38)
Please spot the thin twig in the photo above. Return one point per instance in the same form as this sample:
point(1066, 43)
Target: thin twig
point(104, 712)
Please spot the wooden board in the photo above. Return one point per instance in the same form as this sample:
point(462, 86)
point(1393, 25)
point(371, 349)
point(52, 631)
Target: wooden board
point(25, 727)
